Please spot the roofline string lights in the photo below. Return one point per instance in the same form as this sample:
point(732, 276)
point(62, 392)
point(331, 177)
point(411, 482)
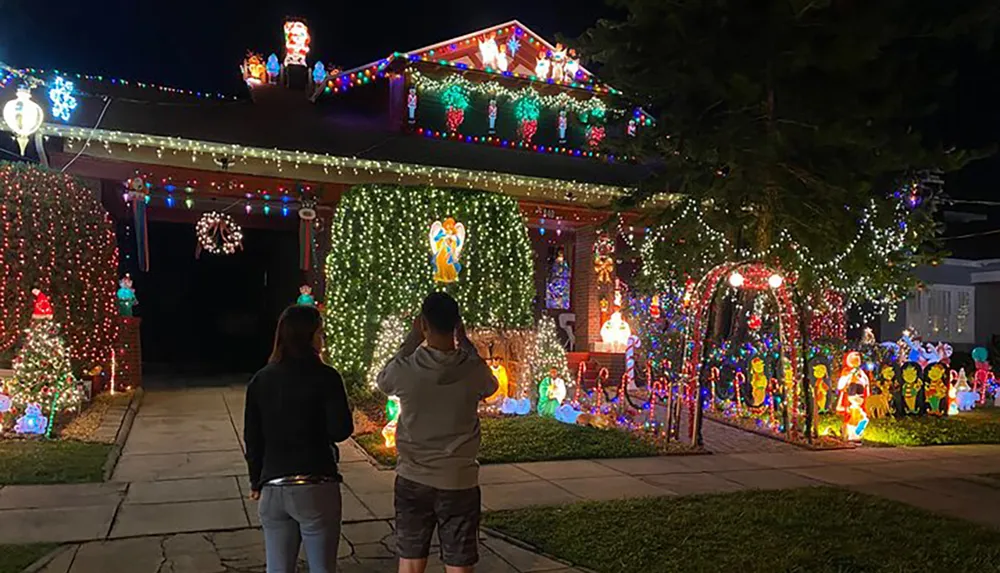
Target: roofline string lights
point(566, 190)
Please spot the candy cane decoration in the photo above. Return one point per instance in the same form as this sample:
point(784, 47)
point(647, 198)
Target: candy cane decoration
point(738, 380)
point(602, 377)
point(633, 343)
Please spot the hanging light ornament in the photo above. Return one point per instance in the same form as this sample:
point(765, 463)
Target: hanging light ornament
point(23, 116)
point(219, 234)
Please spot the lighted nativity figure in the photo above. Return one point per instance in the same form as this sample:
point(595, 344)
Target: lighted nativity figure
point(557, 287)
point(503, 382)
point(502, 61)
point(447, 241)
point(551, 393)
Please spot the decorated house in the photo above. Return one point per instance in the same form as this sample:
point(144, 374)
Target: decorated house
point(204, 177)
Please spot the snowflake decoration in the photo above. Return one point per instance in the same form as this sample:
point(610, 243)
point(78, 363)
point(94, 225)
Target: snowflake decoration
point(513, 45)
point(63, 102)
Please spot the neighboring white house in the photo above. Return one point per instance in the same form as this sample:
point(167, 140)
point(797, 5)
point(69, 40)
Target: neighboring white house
point(960, 304)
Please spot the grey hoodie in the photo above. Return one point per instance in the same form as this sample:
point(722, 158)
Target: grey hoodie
point(437, 435)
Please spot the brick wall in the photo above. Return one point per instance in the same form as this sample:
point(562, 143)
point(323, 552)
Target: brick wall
point(129, 367)
point(584, 293)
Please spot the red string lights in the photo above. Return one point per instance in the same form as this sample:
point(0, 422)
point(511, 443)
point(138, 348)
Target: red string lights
point(58, 238)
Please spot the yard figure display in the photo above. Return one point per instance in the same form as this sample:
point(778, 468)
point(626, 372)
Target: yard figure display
point(500, 373)
point(126, 296)
point(305, 296)
point(936, 389)
point(912, 387)
point(855, 417)
point(32, 422)
point(880, 404)
point(447, 240)
point(758, 382)
point(965, 396)
point(821, 385)
point(392, 418)
point(551, 393)
point(853, 391)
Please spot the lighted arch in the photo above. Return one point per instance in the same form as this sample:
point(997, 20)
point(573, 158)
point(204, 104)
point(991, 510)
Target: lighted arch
point(755, 276)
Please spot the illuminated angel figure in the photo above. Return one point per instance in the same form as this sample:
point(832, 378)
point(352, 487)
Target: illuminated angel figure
point(447, 241)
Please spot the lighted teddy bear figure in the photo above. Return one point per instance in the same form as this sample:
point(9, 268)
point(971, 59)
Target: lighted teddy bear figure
point(758, 382)
point(305, 296)
point(32, 422)
point(126, 296)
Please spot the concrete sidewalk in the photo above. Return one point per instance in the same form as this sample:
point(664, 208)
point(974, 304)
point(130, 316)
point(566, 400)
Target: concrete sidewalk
point(181, 483)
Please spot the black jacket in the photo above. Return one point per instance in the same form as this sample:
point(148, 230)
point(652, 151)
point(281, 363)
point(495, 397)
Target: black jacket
point(296, 410)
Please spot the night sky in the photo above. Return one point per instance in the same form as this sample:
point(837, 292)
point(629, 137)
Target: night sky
point(199, 45)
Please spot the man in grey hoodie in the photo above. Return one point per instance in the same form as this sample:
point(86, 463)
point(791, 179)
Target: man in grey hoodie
point(439, 379)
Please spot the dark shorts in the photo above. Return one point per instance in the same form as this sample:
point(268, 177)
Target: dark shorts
point(419, 508)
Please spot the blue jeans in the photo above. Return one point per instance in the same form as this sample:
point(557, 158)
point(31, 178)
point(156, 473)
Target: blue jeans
point(306, 514)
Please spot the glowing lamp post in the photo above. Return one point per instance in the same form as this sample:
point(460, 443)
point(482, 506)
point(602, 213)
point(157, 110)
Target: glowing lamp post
point(23, 116)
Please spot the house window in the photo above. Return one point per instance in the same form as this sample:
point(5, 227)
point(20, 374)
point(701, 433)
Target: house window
point(943, 313)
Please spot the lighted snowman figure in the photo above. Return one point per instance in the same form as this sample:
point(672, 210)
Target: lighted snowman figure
point(32, 422)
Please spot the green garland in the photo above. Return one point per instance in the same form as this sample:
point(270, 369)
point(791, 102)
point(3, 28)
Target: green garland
point(380, 263)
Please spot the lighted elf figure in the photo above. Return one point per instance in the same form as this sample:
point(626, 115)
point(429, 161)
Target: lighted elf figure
point(758, 382)
point(551, 393)
point(821, 386)
point(491, 113)
point(392, 419)
point(447, 241)
point(305, 296)
point(411, 105)
point(562, 124)
point(126, 296)
point(936, 389)
point(912, 386)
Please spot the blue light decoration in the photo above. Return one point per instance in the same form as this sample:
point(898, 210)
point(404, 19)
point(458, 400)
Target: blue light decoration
point(516, 407)
point(273, 66)
point(5, 403)
point(319, 73)
point(513, 45)
point(32, 422)
point(61, 95)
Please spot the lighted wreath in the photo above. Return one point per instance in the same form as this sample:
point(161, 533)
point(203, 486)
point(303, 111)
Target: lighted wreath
point(219, 234)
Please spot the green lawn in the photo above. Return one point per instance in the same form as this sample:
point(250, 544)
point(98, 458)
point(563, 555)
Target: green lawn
point(39, 461)
point(14, 558)
point(533, 438)
point(821, 530)
point(980, 426)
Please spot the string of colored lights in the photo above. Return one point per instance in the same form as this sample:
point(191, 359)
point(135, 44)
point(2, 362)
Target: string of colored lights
point(124, 83)
point(591, 106)
point(393, 171)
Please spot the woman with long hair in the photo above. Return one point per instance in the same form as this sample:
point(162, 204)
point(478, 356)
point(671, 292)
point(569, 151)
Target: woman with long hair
point(296, 412)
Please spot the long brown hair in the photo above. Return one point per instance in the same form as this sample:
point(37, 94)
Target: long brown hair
point(293, 338)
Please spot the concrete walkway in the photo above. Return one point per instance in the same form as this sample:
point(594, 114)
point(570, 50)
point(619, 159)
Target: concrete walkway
point(178, 494)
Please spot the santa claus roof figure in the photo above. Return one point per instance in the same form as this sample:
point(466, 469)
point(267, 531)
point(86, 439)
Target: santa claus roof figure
point(43, 308)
